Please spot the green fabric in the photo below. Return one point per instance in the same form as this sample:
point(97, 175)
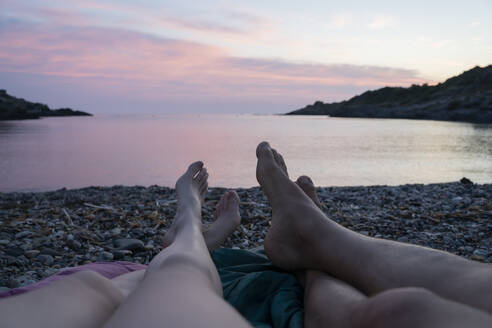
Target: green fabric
point(264, 294)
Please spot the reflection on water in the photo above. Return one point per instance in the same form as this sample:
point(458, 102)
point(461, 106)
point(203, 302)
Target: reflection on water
point(76, 152)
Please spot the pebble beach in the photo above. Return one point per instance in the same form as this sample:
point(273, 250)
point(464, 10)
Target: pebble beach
point(43, 232)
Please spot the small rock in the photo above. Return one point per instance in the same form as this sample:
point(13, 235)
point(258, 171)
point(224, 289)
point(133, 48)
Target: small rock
point(119, 254)
point(403, 239)
point(46, 259)
point(13, 283)
point(129, 244)
point(15, 251)
point(4, 289)
point(73, 244)
point(106, 256)
point(32, 253)
point(477, 258)
point(23, 234)
point(27, 282)
point(49, 271)
point(50, 251)
point(115, 232)
point(150, 245)
point(481, 252)
point(4, 242)
point(466, 181)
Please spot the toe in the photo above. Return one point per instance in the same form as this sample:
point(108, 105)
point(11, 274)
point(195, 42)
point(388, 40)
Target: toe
point(202, 176)
point(232, 198)
point(304, 180)
point(280, 160)
point(263, 151)
point(194, 168)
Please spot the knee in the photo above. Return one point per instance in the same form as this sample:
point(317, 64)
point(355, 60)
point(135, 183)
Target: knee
point(103, 288)
point(400, 307)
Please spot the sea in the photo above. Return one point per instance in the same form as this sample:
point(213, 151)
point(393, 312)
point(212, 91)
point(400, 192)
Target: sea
point(107, 150)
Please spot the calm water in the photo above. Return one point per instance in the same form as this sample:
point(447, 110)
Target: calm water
point(144, 150)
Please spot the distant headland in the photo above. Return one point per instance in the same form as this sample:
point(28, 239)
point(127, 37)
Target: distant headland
point(12, 108)
point(466, 97)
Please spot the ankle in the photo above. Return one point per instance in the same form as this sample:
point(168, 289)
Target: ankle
point(189, 209)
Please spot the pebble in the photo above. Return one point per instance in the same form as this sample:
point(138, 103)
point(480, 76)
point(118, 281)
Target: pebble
point(46, 259)
point(32, 253)
point(73, 244)
point(481, 252)
point(15, 251)
point(129, 244)
point(107, 256)
point(23, 234)
point(119, 254)
point(115, 232)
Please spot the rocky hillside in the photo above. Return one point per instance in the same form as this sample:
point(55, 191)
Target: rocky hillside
point(12, 108)
point(466, 97)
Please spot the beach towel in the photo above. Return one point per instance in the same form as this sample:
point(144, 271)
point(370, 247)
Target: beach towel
point(265, 295)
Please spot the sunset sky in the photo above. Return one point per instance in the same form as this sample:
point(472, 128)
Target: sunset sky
point(161, 56)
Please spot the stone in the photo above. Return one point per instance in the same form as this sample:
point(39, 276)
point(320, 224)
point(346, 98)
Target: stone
point(15, 251)
point(13, 283)
point(150, 245)
point(50, 251)
point(119, 254)
point(115, 232)
point(481, 252)
point(32, 253)
point(129, 244)
point(46, 259)
point(106, 256)
point(23, 234)
point(73, 244)
point(4, 242)
point(403, 239)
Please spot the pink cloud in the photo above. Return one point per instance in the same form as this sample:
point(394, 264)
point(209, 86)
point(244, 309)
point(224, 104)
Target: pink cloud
point(129, 64)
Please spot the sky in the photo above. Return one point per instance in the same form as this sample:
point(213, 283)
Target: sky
point(222, 56)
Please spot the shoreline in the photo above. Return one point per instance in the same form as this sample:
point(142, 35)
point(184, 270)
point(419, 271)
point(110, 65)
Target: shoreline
point(42, 232)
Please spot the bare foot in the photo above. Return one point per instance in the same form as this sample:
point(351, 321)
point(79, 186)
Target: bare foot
point(295, 217)
point(304, 182)
point(227, 219)
point(191, 189)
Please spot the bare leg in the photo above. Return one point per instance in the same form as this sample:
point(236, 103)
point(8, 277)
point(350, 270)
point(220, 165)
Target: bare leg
point(227, 219)
point(84, 299)
point(329, 302)
point(301, 236)
point(181, 287)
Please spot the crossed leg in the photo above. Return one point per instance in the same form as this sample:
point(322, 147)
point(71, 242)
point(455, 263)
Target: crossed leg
point(181, 287)
point(398, 278)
